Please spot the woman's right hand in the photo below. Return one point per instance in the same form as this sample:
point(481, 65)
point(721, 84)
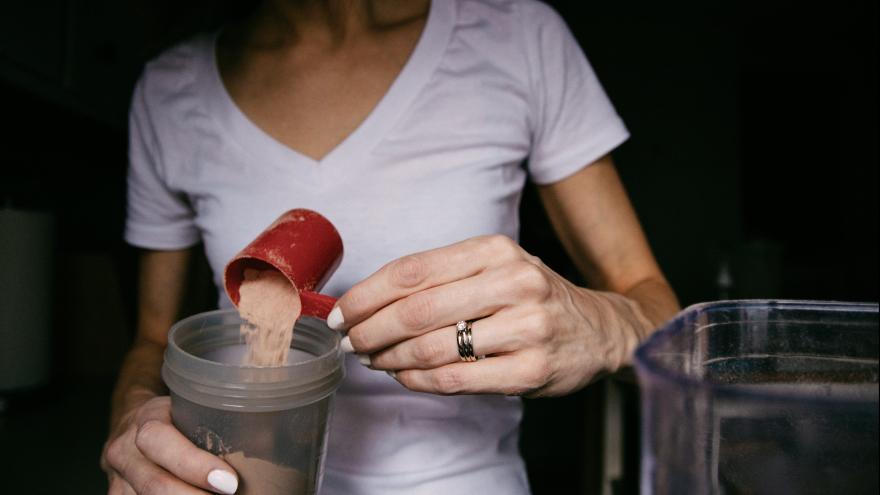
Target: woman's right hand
point(147, 455)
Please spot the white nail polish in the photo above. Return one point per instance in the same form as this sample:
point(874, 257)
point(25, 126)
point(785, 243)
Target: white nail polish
point(345, 345)
point(335, 319)
point(223, 481)
point(365, 359)
point(392, 374)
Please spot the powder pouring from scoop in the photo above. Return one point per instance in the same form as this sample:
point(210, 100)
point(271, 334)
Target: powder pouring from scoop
point(271, 305)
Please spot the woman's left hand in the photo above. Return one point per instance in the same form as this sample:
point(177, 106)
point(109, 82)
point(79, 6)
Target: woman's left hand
point(540, 334)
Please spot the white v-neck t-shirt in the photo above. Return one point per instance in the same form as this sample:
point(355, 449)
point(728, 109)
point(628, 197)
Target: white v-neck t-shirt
point(489, 85)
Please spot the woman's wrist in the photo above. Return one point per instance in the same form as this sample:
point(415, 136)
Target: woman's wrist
point(622, 320)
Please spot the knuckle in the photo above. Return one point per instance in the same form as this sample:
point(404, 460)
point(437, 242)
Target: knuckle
point(538, 326)
point(416, 311)
point(359, 340)
point(502, 246)
point(115, 454)
point(355, 300)
point(531, 279)
point(447, 381)
point(409, 271)
point(537, 372)
point(428, 352)
point(146, 433)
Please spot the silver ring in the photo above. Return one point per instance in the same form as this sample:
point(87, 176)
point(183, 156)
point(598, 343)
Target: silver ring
point(465, 339)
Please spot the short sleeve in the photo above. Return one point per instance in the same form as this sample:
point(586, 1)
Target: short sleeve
point(573, 121)
point(157, 217)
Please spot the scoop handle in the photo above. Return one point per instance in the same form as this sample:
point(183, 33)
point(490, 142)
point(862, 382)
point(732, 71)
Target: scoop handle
point(315, 304)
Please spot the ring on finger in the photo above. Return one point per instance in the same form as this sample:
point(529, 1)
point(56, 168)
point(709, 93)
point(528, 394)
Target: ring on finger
point(465, 339)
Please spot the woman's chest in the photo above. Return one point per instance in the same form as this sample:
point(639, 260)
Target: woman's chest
point(311, 97)
point(382, 211)
point(444, 166)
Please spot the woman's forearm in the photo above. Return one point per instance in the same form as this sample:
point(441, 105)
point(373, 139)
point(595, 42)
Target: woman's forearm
point(656, 302)
point(161, 285)
point(139, 379)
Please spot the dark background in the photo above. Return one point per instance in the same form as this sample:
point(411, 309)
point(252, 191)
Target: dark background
point(754, 150)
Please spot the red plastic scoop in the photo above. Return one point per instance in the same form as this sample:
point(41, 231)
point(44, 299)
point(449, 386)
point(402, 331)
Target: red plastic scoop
point(304, 246)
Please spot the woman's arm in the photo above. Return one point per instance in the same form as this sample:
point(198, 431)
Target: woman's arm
point(161, 281)
point(598, 227)
point(144, 452)
point(542, 335)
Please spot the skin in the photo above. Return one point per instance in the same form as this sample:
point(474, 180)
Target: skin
point(309, 73)
point(145, 454)
point(544, 335)
point(353, 51)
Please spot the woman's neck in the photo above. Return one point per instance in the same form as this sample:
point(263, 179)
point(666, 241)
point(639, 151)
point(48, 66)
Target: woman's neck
point(329, 21)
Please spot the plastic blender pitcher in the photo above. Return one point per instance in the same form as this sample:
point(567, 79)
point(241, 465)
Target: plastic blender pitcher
point(761, 397)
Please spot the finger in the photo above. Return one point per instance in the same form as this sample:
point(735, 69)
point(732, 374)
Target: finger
point(504, 332)
point(420, 271)
point(155, 408)
point(119, 486)
point(160, 442)
point(516, 283)
point(433, 308)
point(518, 373)
point(145, 478)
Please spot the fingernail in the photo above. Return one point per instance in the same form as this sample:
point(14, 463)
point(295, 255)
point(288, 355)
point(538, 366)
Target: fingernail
point(392, 374)
point(364, 359)
point(223, 481)
point(335, 319)
point(345, 345)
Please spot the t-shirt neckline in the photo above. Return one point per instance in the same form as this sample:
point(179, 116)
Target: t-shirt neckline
point(350, 151)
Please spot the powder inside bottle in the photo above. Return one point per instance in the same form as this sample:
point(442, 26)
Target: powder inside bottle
point(259, 477)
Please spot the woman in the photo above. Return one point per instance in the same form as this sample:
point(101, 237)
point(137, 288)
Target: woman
point(406, 124)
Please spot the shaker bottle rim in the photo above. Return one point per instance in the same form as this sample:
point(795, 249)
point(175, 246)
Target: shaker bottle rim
point(229, 386)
